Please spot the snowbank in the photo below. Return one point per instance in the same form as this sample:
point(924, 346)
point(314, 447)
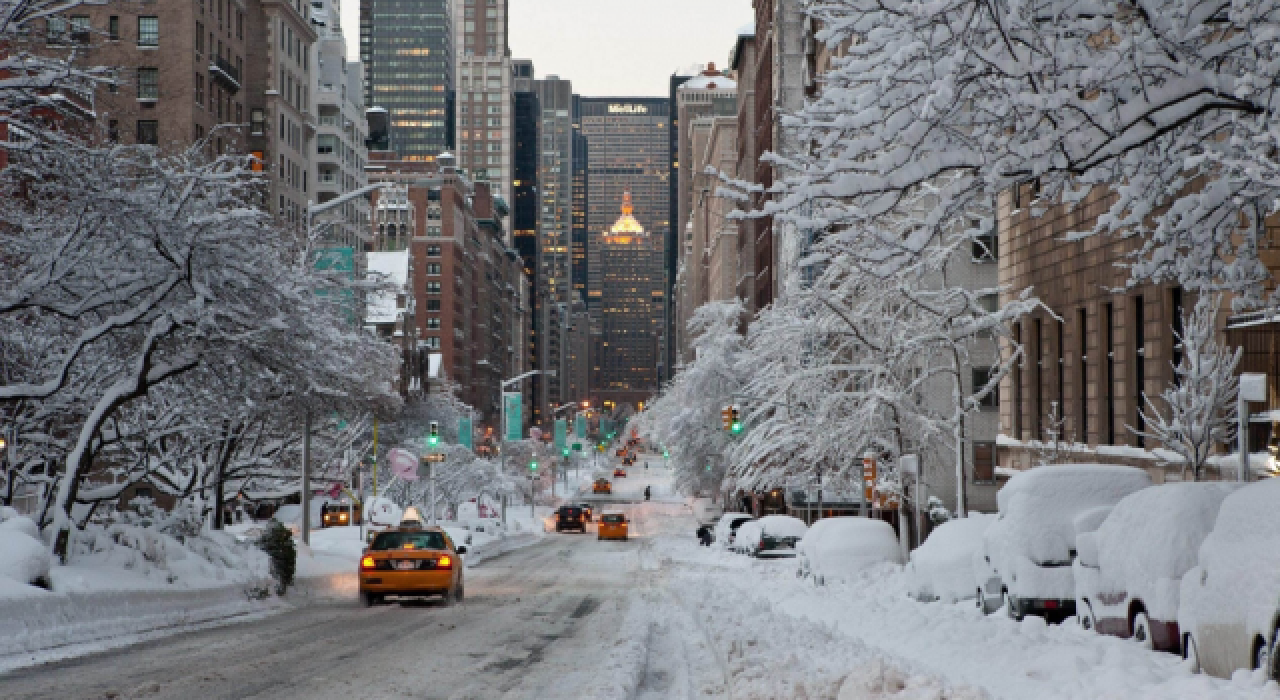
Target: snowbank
point(24, 558)
point(942, 567)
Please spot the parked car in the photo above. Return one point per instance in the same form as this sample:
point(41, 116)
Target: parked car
point(777, 536)
point(1129, 569)
point(1029, 549)
point(942, 567)
point(1229, 609)
point(619, 473)
point(706, 511)
point(728, 527)
point(837, 549)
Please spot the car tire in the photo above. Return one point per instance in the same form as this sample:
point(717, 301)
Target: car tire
point(1190, 653)
point(370, 599)
point(1088, 622)
point(1261, 655)
point(460, 594)
point(1142, 631)
point(1007, 601)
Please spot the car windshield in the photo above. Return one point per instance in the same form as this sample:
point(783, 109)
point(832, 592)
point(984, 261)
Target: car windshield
point(408, 540)
point(613, 519)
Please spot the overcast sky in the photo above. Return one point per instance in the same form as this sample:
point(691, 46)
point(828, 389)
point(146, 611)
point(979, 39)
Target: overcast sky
point(611, 47)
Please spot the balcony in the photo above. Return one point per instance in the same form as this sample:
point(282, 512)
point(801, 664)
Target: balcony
point(225, 74)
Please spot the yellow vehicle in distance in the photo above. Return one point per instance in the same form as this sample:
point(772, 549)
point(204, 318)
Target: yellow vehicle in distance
point(411, 561)
point(602, 486)
point(613, 526)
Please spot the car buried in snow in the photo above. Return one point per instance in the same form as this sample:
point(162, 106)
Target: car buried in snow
point(1028, 551)
point(1128, 571)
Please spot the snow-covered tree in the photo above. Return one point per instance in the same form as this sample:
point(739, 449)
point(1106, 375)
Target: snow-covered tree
point(1200, 404)
point(685, 418)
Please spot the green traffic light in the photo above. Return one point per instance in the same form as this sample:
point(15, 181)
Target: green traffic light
point(736, 427)
point(665, 454)
point(533, 466)
point(433, 440)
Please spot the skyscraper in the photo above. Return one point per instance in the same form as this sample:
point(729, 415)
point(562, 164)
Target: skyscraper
point(406, 47)
point(484, 106)
point(337, 166)
point(630, 325)
point(555, 189)
point(628, 141)
point(526, 158)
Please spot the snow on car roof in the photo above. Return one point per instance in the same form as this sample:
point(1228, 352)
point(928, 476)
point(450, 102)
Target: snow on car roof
point(783, 526)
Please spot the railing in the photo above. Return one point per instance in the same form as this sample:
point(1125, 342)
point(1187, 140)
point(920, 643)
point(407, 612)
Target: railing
point(225, 73)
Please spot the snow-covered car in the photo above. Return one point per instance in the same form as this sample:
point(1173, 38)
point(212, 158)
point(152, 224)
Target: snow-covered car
point(836, 549)
point(1031, 545)
point(1129, 569)
point(942, 567)
point(747, 536)
point(1229, 607)
point(728, 527)
point(771, 536)
point(706, 511)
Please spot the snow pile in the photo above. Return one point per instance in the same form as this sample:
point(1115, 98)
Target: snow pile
point(1031, 544)
point(942, 568)
point(748, 537)
point(1152, 538)
point(839, 548)
point(619, 674)
point(24, 559)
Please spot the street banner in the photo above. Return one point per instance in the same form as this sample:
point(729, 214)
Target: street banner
point(404, 464)
point(580, 425)
point(513, 420)
point(465, 436)
point(562, 430)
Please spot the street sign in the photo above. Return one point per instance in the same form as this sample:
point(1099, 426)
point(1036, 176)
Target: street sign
point(466, 437)
point(513, 420)
point(580, 425)
point(577, 447)
point(562, 430)
point(403, 464)
point(433, 457)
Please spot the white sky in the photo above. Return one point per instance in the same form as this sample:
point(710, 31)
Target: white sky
point(611, 47)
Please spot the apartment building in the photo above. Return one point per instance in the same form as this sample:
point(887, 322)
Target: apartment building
point(468, 295)
point(485, 133)
point(338, 162)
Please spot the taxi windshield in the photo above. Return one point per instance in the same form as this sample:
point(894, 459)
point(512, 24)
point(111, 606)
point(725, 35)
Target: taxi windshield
point(612, 519)
point(408, 540)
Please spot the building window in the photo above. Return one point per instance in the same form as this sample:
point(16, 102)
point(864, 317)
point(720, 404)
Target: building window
point(113, 28)
point(982, 375)
point(113, 130)
point(149, 132)
point(148, 84)
point(433, 287)
point(326, 144)
point(55, 30)
point(984, 461)
point(432, 342)
point(257, 121)
point(200, 89)
point(433, 268)
point(433, 251)
point(148, 31)
point(984, 248)
point(433, 323)
point(433, 305)
point(80, 28)
point(989, 302)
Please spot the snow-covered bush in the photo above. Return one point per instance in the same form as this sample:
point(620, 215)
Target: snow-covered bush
point(23, 555)
point(277, 542)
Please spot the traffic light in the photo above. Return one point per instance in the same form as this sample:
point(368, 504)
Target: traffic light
point(565, 452)
point(533, 465)
point(666, 454)
point(433, 436)
point(735, 424)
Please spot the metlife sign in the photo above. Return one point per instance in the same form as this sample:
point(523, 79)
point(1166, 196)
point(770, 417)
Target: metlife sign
point(628, 109)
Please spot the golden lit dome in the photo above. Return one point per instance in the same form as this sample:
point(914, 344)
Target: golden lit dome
point(626, 226)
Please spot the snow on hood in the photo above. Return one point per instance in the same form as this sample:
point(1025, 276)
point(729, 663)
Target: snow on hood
point(1038, 508)
point(783, 526)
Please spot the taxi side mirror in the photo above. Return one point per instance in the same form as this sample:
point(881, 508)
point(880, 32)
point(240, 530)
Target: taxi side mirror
point(462, 549)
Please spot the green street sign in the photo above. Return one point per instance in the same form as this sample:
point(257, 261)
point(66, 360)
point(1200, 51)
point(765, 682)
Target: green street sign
point(466, 438)
point(577, 447)
point(562, 432)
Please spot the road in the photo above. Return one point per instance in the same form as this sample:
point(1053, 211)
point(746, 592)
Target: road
point(554, 617)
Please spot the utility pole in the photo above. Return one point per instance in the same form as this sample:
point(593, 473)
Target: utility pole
point(306, 479)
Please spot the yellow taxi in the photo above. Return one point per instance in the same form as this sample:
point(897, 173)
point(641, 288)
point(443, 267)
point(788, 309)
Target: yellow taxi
point(411, 561)
point(613, 526)
point(602, 486)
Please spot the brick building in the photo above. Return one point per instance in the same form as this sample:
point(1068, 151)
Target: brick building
point(468, 297)
point(195, 70)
